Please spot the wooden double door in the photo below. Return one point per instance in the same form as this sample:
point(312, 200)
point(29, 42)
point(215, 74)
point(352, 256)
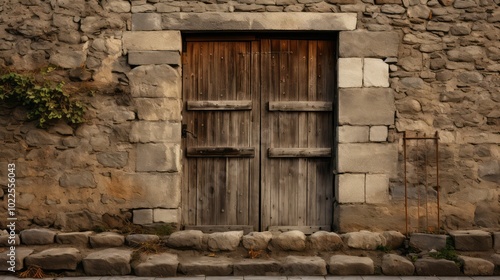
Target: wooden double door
point(258, 132)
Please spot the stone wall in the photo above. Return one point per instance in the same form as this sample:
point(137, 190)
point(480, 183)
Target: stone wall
point(404, 65)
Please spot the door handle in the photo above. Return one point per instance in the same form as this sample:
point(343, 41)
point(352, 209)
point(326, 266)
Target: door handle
point(185, 132)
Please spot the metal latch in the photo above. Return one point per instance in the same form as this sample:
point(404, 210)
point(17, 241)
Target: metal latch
point(185, 132)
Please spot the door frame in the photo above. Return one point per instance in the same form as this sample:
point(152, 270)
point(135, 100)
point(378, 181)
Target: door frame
point(256, 36)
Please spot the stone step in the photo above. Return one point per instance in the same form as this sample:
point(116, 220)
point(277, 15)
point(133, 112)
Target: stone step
point(472, 240)
point(259, 253)
point(350, 265)
point(108, 262)
point(55, 259)
point(206, 266)
point(160, 265)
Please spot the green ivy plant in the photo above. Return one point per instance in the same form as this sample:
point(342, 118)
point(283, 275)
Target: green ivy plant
point(44, 102)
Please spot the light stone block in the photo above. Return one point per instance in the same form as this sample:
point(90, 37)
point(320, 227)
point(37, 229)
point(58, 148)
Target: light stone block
point(146, 21)
point(353, 134)
point(259, 21)
point(142, 216)
point(366, 106)
point(166, 216)
point(350, 72)
point(379, 133)
point(155, 81)
point(154, 57)
point(379, 44)
point(377, 188)
point(368, 158)
point(375, 73)
point(157, 132)
point(159, 157)
point(152, 41)
point(350, 188)
point(158, 109)
point(148, 190)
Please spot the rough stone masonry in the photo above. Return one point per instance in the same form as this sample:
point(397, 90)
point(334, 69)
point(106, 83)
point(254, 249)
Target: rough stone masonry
point(404, 65)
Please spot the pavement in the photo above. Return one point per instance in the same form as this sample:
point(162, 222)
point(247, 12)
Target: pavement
point(5, 277)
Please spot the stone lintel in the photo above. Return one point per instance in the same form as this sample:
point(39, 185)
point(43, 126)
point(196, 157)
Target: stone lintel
point(259, 21)
point(154, 57)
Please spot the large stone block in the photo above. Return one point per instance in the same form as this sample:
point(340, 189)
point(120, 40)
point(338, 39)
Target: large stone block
point(74, 238)
point(350, 265)
point(379, 133)
point(187, 239)
point(155, 81)
point(148, 190)
point(350, 188)
point(355, 217)
point(377, 188)
point(427, 242)
point(364, 240)
point(375, 73)
point(304, 265)
point(256, 240)
point(224, 241)
point(472, 240)
point(477, 266)
point(154, 57)
point(395, 265)
point(106, 239)
point(136, 240)
point(158, 157)
point(143, 216)
point(353, 134)
point(350, 72)
point(368, 158)
point(325, 241)
point(113, 159)
point(83, 179)
point(436, 267)
point(258, 267)
point(206, 266)
point(259, 21)
point(146, 21)
point(55, 259)
point(380, 44)
point(111, 261)
point(161, 265)
point(152, 41)
point(166, 215)
point(158, 109)
point(368, 106)
point(144, 132)
point(289, 241)
point(37, 236)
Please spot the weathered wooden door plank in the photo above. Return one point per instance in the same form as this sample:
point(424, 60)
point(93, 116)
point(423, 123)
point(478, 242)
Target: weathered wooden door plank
point(219, 105)
point(299, 152)
point(300, 106)
point(220, 151)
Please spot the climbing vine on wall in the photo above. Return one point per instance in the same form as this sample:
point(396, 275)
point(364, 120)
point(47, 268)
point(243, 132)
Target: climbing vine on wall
point(43, 101)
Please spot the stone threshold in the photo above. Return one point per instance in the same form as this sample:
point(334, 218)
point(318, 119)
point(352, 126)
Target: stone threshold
point(194, 253)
